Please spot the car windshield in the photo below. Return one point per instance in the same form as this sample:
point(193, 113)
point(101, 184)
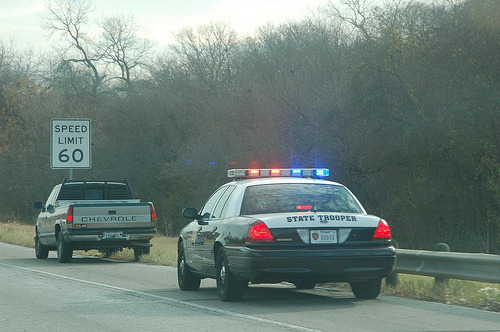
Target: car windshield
point(298, 197)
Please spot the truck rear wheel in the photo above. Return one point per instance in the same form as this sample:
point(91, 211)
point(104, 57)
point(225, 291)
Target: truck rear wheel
point(64, 250)
point(139, 251)
point(108, 252)
point(41, 251)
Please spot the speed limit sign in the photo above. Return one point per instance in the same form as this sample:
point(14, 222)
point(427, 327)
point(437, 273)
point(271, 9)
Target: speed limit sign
point(70, 143)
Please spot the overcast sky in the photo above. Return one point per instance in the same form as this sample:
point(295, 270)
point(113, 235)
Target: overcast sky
point(21, 20)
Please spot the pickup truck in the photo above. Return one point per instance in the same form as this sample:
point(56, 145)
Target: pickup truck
point(93, 214)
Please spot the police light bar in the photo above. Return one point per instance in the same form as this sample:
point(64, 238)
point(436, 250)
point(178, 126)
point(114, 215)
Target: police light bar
point(279, 172)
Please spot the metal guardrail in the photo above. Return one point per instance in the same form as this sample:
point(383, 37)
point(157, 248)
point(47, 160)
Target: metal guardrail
point(451, 265)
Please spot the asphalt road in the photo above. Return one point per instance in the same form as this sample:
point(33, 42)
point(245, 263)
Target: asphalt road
point(92, 294)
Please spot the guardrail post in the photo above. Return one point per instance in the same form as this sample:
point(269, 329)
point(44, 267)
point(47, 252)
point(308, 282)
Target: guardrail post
point(445, 248)
point(392, 279)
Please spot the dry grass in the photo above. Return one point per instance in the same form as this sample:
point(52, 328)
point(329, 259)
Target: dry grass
point(164, 252)
point(16, 233)
point(459, 292)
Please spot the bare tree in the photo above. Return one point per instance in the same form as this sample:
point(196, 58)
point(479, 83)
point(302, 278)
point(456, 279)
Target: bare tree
point(14, 64)
point(206, 52)
point(68, 18)
point(6, 55)
point(122, 49)
point(354, 12)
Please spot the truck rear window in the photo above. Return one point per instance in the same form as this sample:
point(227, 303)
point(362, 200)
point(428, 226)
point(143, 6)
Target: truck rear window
point(94, 191)
point(295, 197)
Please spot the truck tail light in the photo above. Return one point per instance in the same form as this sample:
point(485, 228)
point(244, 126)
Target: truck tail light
point(383, 231)
point(259, 232)
point(153, 213)
point(69, 214)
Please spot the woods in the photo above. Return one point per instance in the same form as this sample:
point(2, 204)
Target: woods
point(399, 100)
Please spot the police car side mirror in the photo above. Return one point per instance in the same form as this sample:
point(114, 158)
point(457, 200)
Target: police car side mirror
point(191, 213)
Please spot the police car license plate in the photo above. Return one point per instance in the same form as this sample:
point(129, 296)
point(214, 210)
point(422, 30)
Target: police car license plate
point(323, 236)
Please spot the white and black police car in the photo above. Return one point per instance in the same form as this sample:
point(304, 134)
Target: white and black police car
point(275, 225)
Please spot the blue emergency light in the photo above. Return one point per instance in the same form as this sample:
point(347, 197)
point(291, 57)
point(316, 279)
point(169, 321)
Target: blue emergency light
point(322, 172)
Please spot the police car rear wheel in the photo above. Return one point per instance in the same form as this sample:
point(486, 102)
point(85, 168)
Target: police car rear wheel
point(368, 289)
point(229, 288)
point(186, 279)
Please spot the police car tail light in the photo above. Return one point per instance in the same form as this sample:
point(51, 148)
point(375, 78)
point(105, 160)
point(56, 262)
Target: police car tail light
point(153, 213)
point(69, 214)
point(259, 232)
point(383, 231)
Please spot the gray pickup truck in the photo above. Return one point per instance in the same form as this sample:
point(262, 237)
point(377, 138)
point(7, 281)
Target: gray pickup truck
point(93, 214)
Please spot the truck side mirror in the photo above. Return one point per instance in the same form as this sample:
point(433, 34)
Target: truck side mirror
point(50, 208)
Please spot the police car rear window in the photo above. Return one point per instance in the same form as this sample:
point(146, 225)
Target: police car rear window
point(297, 197)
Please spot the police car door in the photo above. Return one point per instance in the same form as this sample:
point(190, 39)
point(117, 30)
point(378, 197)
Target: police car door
point(199, 237)
point(212, 231)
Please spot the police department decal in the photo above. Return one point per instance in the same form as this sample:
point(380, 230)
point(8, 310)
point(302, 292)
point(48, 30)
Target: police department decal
point(323, 218)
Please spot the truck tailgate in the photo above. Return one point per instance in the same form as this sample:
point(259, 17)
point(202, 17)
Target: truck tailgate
point(112, 215)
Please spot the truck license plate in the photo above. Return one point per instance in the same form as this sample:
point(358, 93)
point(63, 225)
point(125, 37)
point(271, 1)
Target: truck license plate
point(114, 236)
point(323, 236)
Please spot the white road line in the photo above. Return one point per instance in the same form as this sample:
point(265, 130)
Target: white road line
point(168, 299)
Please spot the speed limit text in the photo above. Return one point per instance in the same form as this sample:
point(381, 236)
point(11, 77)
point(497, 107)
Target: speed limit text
point(71, 128)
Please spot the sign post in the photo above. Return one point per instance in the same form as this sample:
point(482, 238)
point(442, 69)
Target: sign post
point(70, 144)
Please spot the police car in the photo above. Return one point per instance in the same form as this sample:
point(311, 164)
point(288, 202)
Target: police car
point(275, 225)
